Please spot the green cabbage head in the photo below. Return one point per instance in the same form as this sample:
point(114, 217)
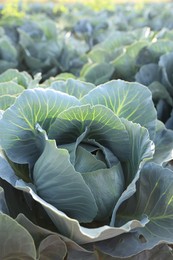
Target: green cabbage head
point(80, 153)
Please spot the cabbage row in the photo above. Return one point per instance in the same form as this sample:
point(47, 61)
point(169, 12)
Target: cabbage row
point(86, 134)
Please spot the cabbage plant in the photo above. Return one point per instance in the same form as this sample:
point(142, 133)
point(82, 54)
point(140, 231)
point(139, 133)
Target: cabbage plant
point(95, 162)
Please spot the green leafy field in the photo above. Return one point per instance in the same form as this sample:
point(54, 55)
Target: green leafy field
point(86, 131)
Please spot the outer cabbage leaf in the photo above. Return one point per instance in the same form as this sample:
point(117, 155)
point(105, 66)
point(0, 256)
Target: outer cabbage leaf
point(73, 87)
point(13, 83)
point(62, 76)
point(21, 239)
point(18, 128)
point(153, 198)
point(8, 93)
point(125, 64)
point(15, 241)
point(52, 247)
point(23, 78)
point(48, 243)
point(152, 52)
point(132, 101)
point(163, 144)
point(112, 183)
point(97, 73)
point(14, 201)
point(7, 50)
point(57, 182)
point(3, 205)
point(148, 73)
point(160, 92)
point(142, 149)
point(5, 65)
point(114, 41)
point(166, 63)
point(99, 55)
point(159, 48)
point(162, 252)
point(8, 54)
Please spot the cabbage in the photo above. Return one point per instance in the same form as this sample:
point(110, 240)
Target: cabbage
point(94, 166)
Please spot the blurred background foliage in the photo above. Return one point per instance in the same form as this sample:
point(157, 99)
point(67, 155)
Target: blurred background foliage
point(17, 7)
